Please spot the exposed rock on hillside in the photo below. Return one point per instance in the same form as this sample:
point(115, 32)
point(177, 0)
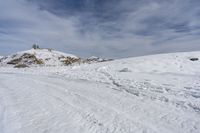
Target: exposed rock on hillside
point(97, 59)
point(41, 57)
point(46, 57)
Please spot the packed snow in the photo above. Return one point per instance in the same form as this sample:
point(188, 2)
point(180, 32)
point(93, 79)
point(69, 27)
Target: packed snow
point(150, 94)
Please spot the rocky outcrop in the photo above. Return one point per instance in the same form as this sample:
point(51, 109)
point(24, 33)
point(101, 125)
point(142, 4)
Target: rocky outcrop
point(39, 57)
point(194, 59)
point(46, 57)
point(26, 58)
point(21, 66)
point(69, 60)
point(94, 59)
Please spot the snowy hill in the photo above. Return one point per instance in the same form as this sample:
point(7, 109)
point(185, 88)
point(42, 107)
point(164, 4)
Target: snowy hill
point(151, 94)
point(45, 57)
point(182, 63)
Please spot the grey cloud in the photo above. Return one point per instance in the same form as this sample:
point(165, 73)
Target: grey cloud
point(125, 28)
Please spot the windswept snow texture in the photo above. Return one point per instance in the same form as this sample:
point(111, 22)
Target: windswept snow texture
point(152, 94)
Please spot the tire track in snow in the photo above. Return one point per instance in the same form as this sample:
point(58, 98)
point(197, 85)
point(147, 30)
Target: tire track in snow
point(88, 116)
point(2, 115)
point(90, 121)
point(9, 120)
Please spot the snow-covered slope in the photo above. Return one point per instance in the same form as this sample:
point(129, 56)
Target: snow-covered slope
point(179, 63)
point(46, 53)
point(45, 57)
point(151, 94)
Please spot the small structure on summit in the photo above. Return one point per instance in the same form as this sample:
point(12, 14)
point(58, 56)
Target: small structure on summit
point(35, 46)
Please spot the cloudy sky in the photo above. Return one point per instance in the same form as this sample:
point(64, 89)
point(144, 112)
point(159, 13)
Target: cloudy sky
point(107, 28)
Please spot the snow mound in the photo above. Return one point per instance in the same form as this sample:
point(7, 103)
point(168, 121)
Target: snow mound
point(34, 57)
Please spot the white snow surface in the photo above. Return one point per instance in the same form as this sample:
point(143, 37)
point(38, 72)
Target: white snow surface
point(150, 94)
point(49, 57)
point(45, 53)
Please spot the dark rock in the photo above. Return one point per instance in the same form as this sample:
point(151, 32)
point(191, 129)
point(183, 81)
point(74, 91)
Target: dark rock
point(96, 59)
point(69, 60)
point(21, 66)
point(194, 59)
point(14, 61)
point(26, 58)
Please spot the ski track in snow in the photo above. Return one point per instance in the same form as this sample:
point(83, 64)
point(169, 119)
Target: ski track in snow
point(99, 98)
